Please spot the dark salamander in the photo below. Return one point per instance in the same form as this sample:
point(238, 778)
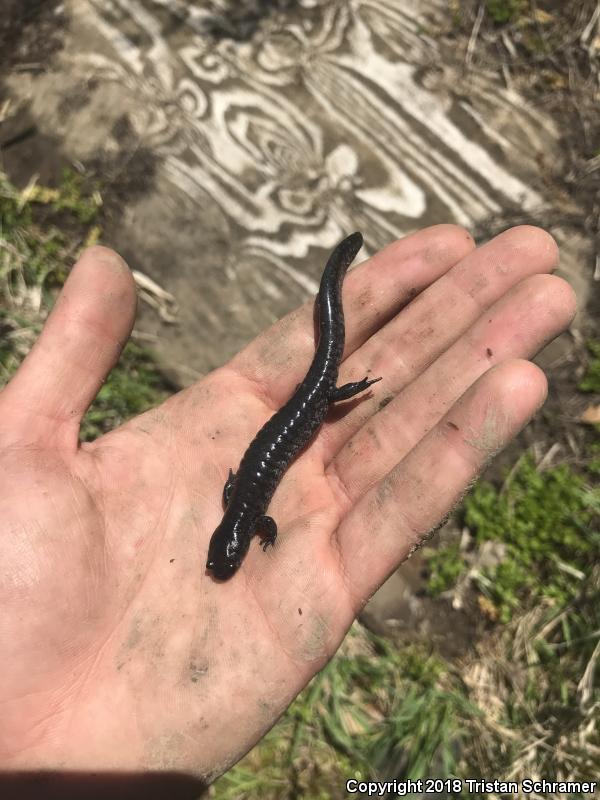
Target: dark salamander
point(247, 493)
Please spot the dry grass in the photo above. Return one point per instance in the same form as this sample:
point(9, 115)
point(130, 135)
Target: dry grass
point(549, 52)
point(535, 684)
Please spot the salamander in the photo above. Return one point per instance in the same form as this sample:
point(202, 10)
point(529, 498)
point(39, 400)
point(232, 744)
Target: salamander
point(248, 492)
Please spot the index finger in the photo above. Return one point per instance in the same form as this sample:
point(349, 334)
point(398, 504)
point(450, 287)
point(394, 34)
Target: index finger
point(373, 293)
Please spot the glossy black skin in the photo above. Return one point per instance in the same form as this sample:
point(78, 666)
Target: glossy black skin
point(248, 493)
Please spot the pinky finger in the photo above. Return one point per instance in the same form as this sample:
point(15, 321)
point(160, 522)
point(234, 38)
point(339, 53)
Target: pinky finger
point(395, 516)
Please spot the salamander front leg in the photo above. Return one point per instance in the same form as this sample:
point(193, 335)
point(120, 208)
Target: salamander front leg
point(266, 528)
point(348, 390)
point(228, 488)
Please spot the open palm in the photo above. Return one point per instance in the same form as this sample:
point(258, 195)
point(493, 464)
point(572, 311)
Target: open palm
point(119, 651)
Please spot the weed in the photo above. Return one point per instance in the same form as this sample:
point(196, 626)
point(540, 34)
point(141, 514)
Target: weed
point(133, 386)
point(33, 248)
point(503, 11)
point(445, 566)
point(549, 523)
point(591, 380)
point(535, 687)
point(593, 463)
point(374, 710)
point(74, 195)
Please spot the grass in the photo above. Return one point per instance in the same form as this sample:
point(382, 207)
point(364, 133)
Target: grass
point(503, 11)
point(536, 685)
point(132, 387)
point(543, 48)
point(535, 678)
point(374, 711)
point(549, 525)
point(591, 380)
point(446, 565)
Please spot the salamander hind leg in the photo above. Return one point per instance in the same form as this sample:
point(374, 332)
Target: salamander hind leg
point(348, 390)
point(228, 488)
point(266, 528)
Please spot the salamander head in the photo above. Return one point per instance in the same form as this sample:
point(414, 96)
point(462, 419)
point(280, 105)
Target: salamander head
point(227, 548)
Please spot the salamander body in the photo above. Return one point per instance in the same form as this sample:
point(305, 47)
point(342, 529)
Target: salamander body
point(248, 493)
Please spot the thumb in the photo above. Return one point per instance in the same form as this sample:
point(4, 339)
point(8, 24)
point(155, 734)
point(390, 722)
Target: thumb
point(81, 341)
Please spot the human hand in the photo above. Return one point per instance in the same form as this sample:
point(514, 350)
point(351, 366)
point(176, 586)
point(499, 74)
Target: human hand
point(119, 651)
